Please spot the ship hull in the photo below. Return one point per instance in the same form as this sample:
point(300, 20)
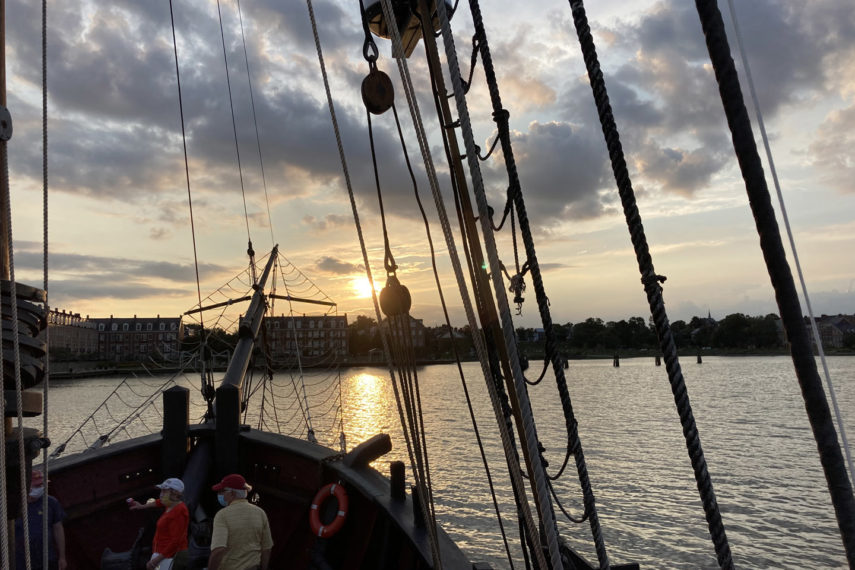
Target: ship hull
point(380, 531)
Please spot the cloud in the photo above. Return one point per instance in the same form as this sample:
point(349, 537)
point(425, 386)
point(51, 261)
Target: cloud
point(117, 270)
point(545, 154)
point(336, 266)
point(831, 150)
point(327, 222)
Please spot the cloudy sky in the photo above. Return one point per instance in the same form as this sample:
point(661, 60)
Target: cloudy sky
point(120, 240)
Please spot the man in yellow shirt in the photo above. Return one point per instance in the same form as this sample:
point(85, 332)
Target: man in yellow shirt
point(241, 539)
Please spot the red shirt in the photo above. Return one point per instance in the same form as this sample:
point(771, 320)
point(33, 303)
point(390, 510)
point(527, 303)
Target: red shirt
point(171, 533)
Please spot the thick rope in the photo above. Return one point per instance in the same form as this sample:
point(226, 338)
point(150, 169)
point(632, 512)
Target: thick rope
point(786, 294)
point(575, 444)
point(13, 296)
point(384, 338)
point(46, 386)
point(530, 439)
point(651, 287)
point(477, 334)
point(817, 339)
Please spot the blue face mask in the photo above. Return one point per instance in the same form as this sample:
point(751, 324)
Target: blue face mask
point(222, 500)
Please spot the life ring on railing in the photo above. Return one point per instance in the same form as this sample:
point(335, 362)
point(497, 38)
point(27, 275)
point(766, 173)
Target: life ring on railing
point(327, 491)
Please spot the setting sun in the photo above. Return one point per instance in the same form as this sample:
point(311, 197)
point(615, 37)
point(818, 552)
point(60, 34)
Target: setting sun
point(362, 287)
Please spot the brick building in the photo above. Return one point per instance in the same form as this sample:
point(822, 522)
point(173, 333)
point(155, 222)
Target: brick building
point(313, 337)
point(139, 338)
point(72, 336)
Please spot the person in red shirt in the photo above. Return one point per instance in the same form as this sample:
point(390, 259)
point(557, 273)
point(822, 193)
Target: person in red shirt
point(170, 535)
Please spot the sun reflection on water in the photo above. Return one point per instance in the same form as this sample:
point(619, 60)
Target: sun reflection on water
point(369, 407)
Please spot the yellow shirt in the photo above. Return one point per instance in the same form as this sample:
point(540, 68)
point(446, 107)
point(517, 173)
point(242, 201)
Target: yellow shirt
point(241, 528)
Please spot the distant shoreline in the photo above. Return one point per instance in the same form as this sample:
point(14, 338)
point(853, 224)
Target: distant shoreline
point(82, 369)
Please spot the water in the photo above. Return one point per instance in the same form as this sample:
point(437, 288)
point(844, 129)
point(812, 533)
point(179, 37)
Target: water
point(750, 415)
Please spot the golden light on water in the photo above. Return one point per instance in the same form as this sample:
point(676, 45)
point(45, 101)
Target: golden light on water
point(370, 406)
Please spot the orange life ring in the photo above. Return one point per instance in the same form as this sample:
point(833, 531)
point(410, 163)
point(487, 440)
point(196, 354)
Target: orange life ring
point(327, 491)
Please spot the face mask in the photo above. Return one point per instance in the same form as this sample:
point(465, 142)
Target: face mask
point(222, 500)
point(37, 492)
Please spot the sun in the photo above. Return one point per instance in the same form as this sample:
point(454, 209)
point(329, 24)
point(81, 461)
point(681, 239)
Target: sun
point(362, 288)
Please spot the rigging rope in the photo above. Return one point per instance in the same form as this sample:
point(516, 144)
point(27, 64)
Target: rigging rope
point(478, 338)
point(234, 130)
point(205, 374)
point(651, 286)
point(499, 405)
point(530, 440)
point(46, 386)
point(13, 296)
point(786, 218)
point(255, 122)
point(351, 196)
point(500, 115)
point(801, 350)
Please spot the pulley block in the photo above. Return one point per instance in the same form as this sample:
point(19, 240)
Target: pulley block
point(395, 298)
point(377, 92)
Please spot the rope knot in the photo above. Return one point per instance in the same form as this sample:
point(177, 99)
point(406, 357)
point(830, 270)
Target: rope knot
point(501, 116)
point(650, 279)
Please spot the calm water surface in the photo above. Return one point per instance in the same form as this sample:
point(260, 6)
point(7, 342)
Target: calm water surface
point(754, 430)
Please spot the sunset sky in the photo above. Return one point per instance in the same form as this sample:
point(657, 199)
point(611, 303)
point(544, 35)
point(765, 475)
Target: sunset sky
point(120, 240)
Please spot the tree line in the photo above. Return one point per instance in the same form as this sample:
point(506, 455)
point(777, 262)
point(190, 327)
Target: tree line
point(736, 331)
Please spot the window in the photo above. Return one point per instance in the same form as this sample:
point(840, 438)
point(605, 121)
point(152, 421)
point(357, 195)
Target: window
point(115, 327)
point(172, 326)
point(125, 326)
point(139, 327)
point(163, 326)
point(148, 326)
point(100, 326)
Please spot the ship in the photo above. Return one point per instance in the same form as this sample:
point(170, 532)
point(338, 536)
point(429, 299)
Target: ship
point(387, 522)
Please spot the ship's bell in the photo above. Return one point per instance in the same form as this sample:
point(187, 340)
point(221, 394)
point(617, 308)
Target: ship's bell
point(395, 298)
point(408, 24)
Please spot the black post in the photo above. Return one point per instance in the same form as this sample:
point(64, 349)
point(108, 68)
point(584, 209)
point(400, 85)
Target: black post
point(227, 429)
point(176, 411)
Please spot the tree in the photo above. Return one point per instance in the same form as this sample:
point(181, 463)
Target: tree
point(588, 334)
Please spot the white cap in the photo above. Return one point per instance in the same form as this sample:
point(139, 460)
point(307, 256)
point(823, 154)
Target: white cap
point(172, 483)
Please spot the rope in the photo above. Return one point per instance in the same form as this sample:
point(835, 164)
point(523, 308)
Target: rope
point(571, 424)
point(786, 218)
point(463, 383)
point(478, 338)
point(781, 277)
point(651, 286)
point(234, 125)
point(255, 122)
point(46, 386)
point(363, 248)
point(539, 480)
point(497, 398)
point(13, 296)
point(186, 161)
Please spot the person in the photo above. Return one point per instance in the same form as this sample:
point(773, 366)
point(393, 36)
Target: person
point(170, 535)
point(56, 532)
point(241, 538)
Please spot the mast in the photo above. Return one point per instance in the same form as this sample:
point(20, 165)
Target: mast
point(248, 329)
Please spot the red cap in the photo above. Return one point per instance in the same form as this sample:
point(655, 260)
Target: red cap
point(233, 481)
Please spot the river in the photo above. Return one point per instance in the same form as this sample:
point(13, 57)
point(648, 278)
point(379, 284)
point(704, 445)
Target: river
point(750, 415)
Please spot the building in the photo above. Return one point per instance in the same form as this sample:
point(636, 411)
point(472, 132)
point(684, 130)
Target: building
point(72, 336)
point(834, 329)
point(139, 338)
point(314, 338)
point(417, 332)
